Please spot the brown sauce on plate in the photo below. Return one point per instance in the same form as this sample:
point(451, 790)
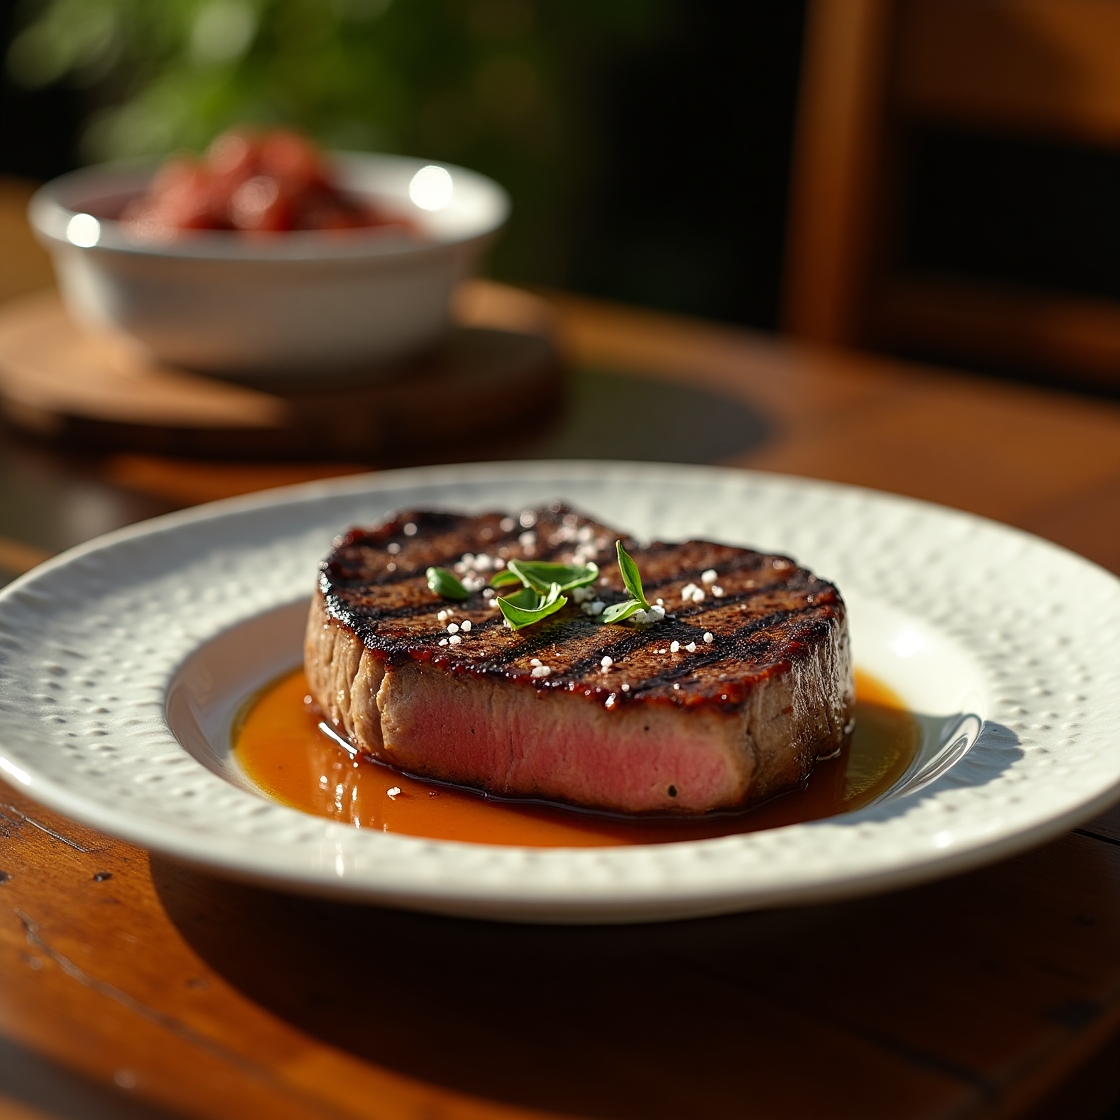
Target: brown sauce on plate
point(281, 747)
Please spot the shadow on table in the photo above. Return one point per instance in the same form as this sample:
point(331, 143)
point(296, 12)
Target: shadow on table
point(906, 1004)
point(40, 1087)
point(625, 416)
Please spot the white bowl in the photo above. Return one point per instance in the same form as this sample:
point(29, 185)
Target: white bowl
point(297, 303)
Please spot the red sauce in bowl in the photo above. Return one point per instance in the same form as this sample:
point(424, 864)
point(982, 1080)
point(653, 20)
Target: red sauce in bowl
point(250, 182)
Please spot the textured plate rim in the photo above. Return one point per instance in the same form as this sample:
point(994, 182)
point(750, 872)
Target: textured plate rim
point(595, 884)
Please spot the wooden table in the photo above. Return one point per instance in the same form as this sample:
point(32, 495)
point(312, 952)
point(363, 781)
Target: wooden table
point(134, 987)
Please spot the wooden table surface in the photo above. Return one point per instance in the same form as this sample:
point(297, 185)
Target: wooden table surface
point(131, 986)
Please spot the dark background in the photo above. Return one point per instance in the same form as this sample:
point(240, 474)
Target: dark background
point(686, 206)
point(683, 206)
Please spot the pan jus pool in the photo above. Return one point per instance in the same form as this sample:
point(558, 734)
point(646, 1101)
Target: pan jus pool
point(282, 746)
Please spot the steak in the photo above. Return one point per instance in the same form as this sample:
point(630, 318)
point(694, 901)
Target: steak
point(730, 699)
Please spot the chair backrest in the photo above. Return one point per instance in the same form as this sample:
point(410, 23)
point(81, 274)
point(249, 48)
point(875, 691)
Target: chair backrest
point(876, 73)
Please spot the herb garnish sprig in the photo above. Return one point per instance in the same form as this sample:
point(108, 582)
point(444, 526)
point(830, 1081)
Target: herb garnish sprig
point(528, 605)
point(542, 587)
point(541, 575)
point(632, 580)
point(446, 584)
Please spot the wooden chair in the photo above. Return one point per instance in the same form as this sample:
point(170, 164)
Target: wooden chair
point(876, 71)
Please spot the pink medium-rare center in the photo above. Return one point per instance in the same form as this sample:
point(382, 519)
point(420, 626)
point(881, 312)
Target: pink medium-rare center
point(730, 699)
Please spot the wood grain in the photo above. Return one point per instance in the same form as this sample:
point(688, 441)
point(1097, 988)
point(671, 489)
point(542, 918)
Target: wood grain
point(1025, 65)
point(217, 999)
point(835, 163)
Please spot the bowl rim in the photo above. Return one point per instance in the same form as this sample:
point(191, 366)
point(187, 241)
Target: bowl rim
point(49, 216)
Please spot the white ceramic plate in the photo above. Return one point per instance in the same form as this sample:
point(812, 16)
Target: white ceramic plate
point(124, 661)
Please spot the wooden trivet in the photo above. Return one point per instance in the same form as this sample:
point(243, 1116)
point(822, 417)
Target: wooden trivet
point(101, 392)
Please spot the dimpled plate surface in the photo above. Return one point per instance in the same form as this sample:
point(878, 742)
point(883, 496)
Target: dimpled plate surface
point(1017, 633)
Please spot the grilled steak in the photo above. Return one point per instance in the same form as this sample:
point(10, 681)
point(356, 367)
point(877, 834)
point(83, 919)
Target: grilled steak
point(730, 699)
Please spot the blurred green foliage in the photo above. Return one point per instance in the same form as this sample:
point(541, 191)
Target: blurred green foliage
point(499, 85)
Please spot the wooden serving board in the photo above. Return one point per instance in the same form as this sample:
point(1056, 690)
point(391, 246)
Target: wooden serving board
point(101, 392)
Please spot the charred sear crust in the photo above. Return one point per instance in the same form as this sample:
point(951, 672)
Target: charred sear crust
point(748, 639)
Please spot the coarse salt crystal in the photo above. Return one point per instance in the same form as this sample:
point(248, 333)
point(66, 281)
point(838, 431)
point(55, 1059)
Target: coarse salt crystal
point(393, 791)
point(453, 628)
point(507, 524)
point(625, 688)
point(717, 591)
point(687, 590)
point(528, 519)
point(394, 548)
point(709, 637)
point(466, 626)
point(691, 647)
point(535, 661)
point(443, 641)
point(710, 576)
point(610, 701)
point(697, 595)
point(489, 593)
point(527, 539)
point(444, 615)
point(541, 671)
point(607, 662)
point(454, 640)
point(390, 567)
point(410, 530)
point(674, 647)
point(483, 563)
point(677, 687)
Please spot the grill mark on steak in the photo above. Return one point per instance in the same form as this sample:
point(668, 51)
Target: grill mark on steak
point(758, 624)
point(735, 720)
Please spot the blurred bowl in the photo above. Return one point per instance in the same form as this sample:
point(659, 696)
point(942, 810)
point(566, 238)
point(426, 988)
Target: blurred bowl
point(297, 303)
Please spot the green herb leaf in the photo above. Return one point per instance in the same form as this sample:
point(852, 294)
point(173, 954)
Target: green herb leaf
point(630, 576)
point(445, 583)
point(504, 578)
point(541, 575)
point(525, 607)
point(616, 612)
